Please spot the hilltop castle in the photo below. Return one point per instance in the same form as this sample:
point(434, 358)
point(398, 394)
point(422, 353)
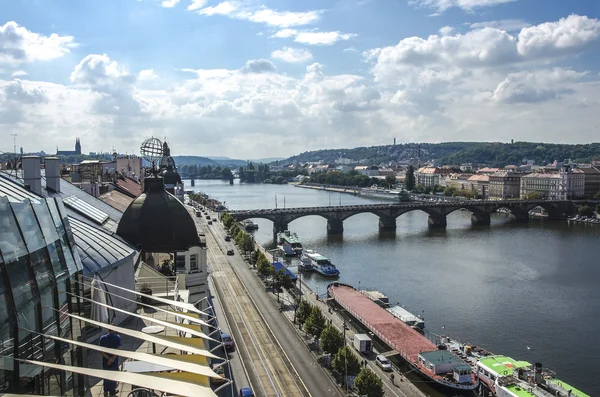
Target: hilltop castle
point(75, 152)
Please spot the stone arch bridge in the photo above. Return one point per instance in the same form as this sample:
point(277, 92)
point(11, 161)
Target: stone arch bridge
point(387, 213)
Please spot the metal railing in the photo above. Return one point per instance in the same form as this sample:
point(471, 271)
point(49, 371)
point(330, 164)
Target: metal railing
point(165, 286)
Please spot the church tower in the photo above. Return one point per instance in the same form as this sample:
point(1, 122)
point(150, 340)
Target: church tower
point(77, 146)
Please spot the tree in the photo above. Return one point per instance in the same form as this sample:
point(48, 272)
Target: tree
point(597, 196)
point(409, 180)
point(390, 181)
point(534, 196)
point(315, 323)
point(368, 384)
point(282, 279)
point(585, 210)
point(346, 362)
point(332, 340)
point(264, 267)
point(598, 209)
point(304, 311)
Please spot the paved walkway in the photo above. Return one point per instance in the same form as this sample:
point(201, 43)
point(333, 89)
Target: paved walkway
point(400, 388)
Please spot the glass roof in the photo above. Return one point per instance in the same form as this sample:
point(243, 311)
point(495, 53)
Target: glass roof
point(85, 209)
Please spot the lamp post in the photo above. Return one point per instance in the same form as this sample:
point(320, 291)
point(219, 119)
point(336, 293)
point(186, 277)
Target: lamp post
point(345, 358)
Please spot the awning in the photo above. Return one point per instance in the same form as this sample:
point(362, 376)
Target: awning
point(173, 325)
point(196, 364)
point(195, 386)
point(190, 345)
point(182, 305)
point(192, 317)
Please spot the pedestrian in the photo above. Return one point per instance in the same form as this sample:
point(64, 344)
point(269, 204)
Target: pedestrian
point(111, 340)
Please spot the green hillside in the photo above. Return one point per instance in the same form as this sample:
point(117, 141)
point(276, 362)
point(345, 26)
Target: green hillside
point(455, 153)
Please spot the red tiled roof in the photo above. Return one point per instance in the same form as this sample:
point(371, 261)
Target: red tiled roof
point(399, 336)
point(117, 200)
point(129, 186)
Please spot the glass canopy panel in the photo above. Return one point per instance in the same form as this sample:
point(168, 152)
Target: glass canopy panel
point(11, 243)
point(29, 225)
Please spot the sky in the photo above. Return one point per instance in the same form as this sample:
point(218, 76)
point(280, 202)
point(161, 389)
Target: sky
point(273, 78)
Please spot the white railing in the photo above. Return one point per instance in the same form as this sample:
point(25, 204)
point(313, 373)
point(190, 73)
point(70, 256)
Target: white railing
point(165, 286)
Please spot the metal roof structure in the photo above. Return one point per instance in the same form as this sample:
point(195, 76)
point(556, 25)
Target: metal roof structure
point(97, 249)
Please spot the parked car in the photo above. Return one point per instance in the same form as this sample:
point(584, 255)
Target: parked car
point(246, 392)
point(210, 222)
point(228, 341)
point(383, 362)
point(214, 219)
point(208, 217)
point(230, 252)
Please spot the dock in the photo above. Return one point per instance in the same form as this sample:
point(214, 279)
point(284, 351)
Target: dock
point(392, 331)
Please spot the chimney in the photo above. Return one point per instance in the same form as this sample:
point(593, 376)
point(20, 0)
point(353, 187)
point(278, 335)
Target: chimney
point(32, 174)
point(52, 174)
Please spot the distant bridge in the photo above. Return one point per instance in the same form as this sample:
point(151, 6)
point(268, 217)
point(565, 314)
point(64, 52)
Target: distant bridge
point(387, 213)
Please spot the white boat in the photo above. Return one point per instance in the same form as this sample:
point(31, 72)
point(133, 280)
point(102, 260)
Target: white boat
point(407, 317)
point(249, 225)
point(289, 243)
point(319, 263)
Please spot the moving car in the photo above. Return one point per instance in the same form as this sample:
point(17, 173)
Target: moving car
point(210, 222)
point(246, 392)
point(228, 341)
point(214, 219)
point(228, 238)
point(230, 252)
point(208, 217)
point(383, 362)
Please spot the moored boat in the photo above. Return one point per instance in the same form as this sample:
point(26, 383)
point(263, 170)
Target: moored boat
point(289, 243)
point(445, 369)
point(319, 263)
point(249, 225)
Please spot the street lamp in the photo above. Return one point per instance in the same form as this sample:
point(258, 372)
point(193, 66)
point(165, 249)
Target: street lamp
point(345, 358)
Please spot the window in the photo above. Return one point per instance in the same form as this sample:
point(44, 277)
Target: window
point(194, 262)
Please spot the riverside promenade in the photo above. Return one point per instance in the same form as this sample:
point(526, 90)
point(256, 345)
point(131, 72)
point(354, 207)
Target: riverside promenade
point(401, 386)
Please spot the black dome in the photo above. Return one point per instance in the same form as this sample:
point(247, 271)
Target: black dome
point(157, 221)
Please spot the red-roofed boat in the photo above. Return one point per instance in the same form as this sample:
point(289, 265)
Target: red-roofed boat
point(438, 365)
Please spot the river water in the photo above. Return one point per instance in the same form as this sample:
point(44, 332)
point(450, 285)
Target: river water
point(528, 291)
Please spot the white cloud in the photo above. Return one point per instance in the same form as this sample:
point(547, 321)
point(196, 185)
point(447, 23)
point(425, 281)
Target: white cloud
point(19, 45)
point(572, 34)
point(486, 48)
point(313, 37)
point(19, 73)
point(264, 15)
point(322, 38)
point(147, 74)
point(224, 8)
point(169, 3)
point(285, 33)
point(446, 30)
point(536, 86)
point(509, 25)
point(196, 4)
point(292, 55)
point(350, 49)
point(436, 88)
point(467, 5)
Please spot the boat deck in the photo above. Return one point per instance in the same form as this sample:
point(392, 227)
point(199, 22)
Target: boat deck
point(399, 336)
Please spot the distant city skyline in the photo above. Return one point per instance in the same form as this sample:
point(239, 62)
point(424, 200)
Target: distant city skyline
point(276, 78)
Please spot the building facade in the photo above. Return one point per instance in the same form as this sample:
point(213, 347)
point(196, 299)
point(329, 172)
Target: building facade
point(591, 182)
point(504, 185)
